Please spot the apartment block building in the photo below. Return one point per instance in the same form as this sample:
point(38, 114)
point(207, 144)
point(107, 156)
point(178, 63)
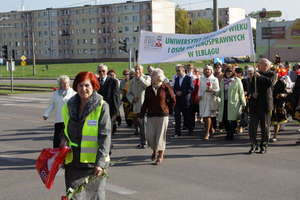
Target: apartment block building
point(85, 33)
point(226, 15)
point(278, 38)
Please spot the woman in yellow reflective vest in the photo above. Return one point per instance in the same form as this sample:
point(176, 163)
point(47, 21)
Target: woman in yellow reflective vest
point(87, 132)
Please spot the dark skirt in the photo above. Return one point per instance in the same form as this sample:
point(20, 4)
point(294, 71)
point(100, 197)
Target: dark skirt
point(279, 116)
point(58, 134)
point(95, 190)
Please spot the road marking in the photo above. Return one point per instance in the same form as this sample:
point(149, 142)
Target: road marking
point(31, 98)
point(23, 105)
point(119, 189)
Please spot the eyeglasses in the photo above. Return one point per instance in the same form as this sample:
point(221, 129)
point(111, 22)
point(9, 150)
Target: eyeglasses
point(101, 71)
point(125, 74)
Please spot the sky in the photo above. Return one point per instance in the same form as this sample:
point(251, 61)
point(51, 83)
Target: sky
point(289, 8)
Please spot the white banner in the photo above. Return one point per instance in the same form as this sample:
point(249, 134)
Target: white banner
point(230, 41)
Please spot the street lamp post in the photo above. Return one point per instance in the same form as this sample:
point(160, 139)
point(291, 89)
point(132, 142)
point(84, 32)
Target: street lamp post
point(33, 54)
point(216, 15)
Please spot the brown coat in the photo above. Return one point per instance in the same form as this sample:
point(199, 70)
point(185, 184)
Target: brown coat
point(160, 104)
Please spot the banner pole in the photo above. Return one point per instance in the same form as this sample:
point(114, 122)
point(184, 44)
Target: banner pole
point(255, 78)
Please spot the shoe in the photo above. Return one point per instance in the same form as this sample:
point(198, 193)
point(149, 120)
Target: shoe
point(263, 150)
point(206, 137)
point(153, 156)
point(160, 158)
point(273, 140)
point(140, 146)
point(254, 148)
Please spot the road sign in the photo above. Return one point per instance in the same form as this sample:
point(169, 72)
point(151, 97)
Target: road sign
point(10, 66)
point(23, 63)
point(269, 14)
point(23, 58)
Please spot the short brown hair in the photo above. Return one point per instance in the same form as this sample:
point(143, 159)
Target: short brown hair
point(82, 76)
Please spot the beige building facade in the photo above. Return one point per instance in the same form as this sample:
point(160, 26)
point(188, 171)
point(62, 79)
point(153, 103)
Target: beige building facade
point(226, 15)
point(86, 33)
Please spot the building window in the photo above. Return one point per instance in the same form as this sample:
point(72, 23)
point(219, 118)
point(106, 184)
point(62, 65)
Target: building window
point(134, 18)
point(92, 30)
point(126, 28)
point(93, 41)
point(84, 41)
point(93, 51)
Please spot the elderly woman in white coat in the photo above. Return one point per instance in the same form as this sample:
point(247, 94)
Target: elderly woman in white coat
point(59, 98)
point(136, 96)
point(208, 101)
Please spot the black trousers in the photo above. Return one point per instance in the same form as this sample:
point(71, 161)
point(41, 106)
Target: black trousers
point(186, 112)
point(230, 125)
point(58, 134)
point(262, 119)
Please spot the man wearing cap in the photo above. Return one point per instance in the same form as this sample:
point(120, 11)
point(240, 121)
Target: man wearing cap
point(261, 105)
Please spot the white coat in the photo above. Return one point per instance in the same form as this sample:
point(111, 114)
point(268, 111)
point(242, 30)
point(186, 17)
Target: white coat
point(56, 103)
point(208, 104)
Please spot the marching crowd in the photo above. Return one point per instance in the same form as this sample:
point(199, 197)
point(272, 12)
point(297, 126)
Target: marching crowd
point(224, 98)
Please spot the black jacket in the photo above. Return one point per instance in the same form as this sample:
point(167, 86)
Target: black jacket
point(263, 103)
point(186, 88)
point(110, 92)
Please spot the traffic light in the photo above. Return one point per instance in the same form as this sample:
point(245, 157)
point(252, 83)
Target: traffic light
point(123, 45)
point(4, 52)
point(13, 54)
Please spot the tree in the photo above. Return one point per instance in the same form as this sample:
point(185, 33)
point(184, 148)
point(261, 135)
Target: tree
point(185, 25)
point(182, 21)
point(201, 25)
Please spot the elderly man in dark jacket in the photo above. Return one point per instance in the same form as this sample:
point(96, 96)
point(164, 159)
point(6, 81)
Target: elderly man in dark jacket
point(183, 88)
point(261, 104)
point(109, 89)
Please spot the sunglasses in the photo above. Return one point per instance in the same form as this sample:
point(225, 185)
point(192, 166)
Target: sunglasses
point(101, 71)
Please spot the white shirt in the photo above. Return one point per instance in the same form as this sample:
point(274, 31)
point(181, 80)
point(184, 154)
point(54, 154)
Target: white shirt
point(104, 79)
point(181, 79)
point(56, 103)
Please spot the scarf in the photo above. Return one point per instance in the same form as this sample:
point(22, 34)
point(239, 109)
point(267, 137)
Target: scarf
point(227, 82)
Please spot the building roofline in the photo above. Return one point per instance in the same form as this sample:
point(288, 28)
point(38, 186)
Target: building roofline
point(71, 7)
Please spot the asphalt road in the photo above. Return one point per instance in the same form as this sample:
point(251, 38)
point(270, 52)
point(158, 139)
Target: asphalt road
point(193, 169)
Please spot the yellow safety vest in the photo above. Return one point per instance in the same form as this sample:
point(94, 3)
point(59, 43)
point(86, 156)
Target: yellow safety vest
point(89, 142)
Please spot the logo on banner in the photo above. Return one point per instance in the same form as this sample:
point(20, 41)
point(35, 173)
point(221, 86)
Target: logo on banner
point(153, 42)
